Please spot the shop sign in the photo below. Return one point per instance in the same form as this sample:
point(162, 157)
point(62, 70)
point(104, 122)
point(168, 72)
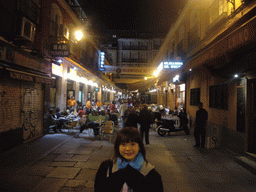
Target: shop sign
point(60, 50)
point(102, 61)
point(172, 65)
point(25, 77)
point(44, 80)
point(20, 76)
point(129, 70)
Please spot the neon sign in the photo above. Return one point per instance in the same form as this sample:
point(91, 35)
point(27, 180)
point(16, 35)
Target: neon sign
point(172, 65)
point(102, 61)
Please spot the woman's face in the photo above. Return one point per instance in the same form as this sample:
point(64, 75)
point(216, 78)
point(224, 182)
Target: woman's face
point(129, 150)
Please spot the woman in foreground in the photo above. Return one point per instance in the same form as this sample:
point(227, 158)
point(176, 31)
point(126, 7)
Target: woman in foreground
point(128, 170)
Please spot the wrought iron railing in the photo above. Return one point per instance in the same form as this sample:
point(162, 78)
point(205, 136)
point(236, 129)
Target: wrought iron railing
point(31, 10)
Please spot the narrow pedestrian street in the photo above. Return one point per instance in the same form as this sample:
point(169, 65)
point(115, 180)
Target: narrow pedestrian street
point(69, 161)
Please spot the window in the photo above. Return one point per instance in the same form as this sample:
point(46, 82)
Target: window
point(219, 96)
point(56, 20)
point(194, 96)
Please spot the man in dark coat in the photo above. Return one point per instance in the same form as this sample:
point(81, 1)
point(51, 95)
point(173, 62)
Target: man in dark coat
point(132, 119)
point(145, 120)
point(200, 126)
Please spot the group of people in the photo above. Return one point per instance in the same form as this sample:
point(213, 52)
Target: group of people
point(54, 119)
point(131, 118)
point(129, 169)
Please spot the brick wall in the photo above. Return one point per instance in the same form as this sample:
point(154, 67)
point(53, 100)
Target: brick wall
point(21, 112)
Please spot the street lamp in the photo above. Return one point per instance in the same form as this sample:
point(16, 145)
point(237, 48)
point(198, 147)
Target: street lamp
point(78, 35)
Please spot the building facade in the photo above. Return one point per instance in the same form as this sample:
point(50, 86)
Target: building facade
point(215, 40)
point(42, 64)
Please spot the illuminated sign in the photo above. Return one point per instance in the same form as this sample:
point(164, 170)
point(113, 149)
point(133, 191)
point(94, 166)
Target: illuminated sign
point(72, 75)
point(102, 61)
point(57, 69)
point(171, 65)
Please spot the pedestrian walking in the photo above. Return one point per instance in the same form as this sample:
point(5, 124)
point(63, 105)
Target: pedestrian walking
point(71, 104)
point(200, 126)
point(145, 120)
point(128, 170)
point(88, 107)
point(122, 109)
point(132, 119)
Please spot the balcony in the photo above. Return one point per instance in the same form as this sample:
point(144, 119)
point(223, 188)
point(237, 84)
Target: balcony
point(193, 37)
point(216, 24)
point(31, 10)
point(134, 48)
point(180, 49)
point(77, 9)
point(131, 60)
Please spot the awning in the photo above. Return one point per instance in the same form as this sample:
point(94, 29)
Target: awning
point(243, 38)
point(143, 84)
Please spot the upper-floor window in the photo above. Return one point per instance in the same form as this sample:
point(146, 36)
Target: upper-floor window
point(56, 20)
point(181, 33)
point(194, 20)
point(217, 9)
point(156, 44)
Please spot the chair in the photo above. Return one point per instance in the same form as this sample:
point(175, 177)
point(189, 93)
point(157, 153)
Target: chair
point(108, 129)
point(71, 125)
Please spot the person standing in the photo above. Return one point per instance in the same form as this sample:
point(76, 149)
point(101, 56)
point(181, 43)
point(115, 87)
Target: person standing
point(128, 170)
point(200, 126)
point(99, 104)
point(122, 109)
point(88, 106)
point(145, 120)
point(113, 107)
point(71, 104)
point(132, 119)
point(60, 121)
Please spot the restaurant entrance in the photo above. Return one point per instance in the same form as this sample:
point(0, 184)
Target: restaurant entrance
point(251, 117)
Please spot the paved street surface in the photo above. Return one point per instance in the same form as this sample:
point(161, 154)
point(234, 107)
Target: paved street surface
point(66, 162)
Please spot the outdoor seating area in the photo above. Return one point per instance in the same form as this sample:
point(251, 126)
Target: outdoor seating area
point(97, 126)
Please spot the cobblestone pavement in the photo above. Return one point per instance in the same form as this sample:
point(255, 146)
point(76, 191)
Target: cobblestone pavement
point(72, 165)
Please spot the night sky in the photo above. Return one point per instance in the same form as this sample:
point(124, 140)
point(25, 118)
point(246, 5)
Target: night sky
point(142, 15)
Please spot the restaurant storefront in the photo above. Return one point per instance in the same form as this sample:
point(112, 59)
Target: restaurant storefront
point(223, 78)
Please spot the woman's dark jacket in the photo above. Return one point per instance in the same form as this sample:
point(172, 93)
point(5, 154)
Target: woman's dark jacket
point(132, 120)
point(145, 118)
point(109, 178)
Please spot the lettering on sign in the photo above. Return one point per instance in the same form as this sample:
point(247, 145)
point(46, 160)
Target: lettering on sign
point(60, 50)
point(39, 80)
point(127, 70)
point(59, 53)
point(205, 57)
point(60, 47)
point(238, 39)
point(21, 76)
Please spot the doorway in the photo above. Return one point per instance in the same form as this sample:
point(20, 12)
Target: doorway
point(251, 116)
